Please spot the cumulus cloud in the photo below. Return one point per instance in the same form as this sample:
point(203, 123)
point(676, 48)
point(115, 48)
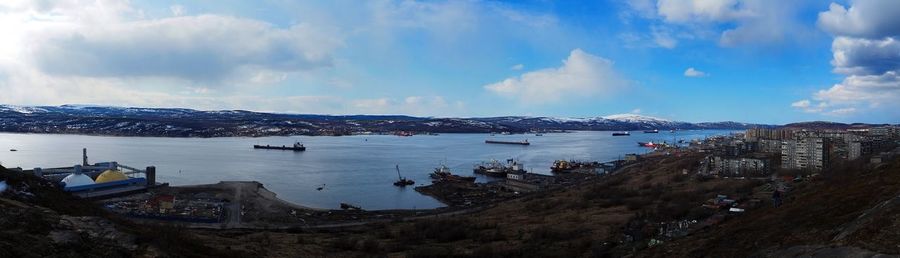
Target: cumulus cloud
point(733, 22)
point(860, 56)
point(865, 49)
point(864, 18)
point(582, 74)
point(691, 72)
point(681, 11)
point(205, 47)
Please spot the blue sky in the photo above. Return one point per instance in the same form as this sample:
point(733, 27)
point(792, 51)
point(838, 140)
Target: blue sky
point(691, 60)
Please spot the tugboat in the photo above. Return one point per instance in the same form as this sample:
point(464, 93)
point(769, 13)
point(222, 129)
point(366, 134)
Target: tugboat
point(402, 181)
point(297, 147)
point(621, 134)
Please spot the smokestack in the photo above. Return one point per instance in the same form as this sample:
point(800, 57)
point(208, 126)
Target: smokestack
point(84, 160)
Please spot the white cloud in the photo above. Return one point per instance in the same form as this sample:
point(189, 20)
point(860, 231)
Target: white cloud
point(864, 18)
point(177, 10)
point(860, 56)
point(411, 105)
point(205, 47)
point(681, 11)
point(112, 52)
point(663, 38)
point(691, 72)
point(517, 67)
point(801, 104)
point(866, 50)
point(636, 111)
point(732, 22)
point(581, 75)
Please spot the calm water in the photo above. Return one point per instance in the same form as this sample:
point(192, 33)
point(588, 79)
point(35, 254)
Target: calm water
point(353, 169)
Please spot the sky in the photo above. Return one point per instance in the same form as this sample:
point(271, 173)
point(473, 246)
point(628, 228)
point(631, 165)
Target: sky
point(760, 61)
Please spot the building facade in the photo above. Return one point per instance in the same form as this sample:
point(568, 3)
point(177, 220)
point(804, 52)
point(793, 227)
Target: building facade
point(809, 153)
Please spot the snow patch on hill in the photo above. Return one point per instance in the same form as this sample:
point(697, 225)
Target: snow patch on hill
point(634, 118)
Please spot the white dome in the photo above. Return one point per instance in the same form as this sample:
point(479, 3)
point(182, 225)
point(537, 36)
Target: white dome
point(77, 180)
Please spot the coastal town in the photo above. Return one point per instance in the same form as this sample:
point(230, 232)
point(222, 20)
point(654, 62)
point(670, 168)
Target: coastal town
point(772, 158)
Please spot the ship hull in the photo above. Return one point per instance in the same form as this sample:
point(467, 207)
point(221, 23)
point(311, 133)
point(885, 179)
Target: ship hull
point(268, 147)
point(507, 142)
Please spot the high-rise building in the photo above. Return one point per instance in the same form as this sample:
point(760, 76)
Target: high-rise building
point(809, 153)
point(769, 133)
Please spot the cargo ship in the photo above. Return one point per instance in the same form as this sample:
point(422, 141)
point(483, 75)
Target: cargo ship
point(296, 147)
point(443, 173)
point(496, 169)
point(652, 131)
point(525, 142)
point(621, 134)
point(573, 166)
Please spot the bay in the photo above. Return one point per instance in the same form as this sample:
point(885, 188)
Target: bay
point(356, 169)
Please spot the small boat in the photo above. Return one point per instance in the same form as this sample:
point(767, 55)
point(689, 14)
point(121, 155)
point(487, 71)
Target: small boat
point(538, 134)
point(621, 134)
point(525, 142)
point(648, 144)
point(402, 181)
point(13, 150)
point(652, 131)
point(296, 147)
point(320, 187)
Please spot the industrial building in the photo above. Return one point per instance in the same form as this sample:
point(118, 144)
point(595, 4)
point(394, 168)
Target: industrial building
point(99, 180)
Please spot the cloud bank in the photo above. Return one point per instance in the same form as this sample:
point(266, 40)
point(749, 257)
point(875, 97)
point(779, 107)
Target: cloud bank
point(581, 75)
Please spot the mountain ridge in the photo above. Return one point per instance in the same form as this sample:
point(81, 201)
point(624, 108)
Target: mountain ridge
point(183, 122)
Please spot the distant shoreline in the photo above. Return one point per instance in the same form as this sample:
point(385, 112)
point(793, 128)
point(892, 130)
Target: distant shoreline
point(315, 135)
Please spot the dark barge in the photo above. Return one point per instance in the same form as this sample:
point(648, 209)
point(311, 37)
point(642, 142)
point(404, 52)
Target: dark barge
point(525, 142)
point(296, 147)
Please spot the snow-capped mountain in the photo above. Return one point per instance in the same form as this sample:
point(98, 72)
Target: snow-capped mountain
point(180, 122)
